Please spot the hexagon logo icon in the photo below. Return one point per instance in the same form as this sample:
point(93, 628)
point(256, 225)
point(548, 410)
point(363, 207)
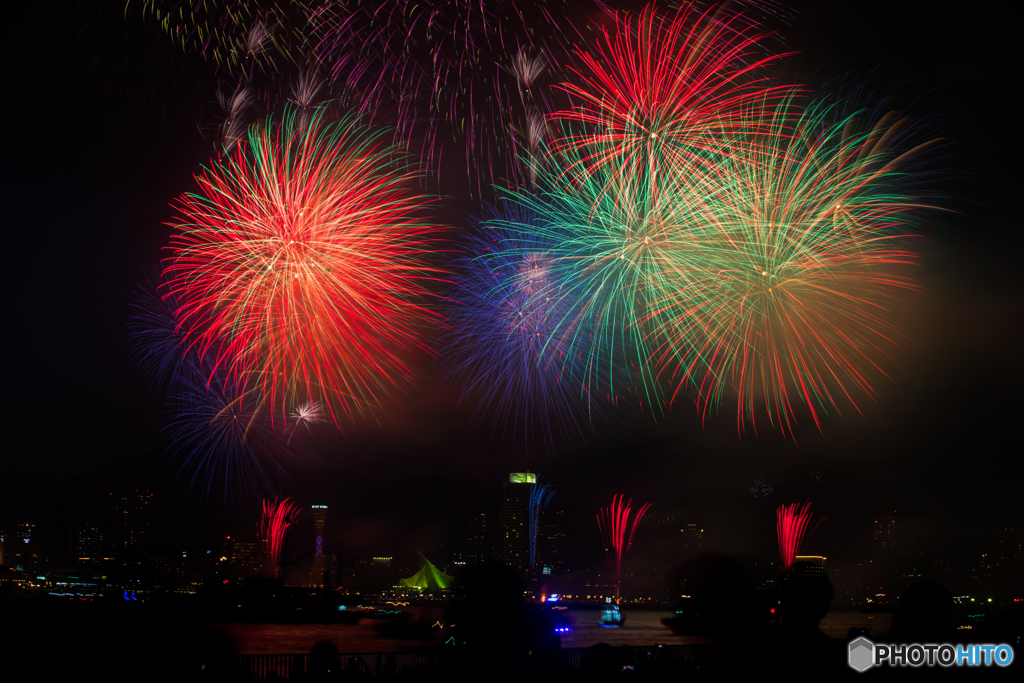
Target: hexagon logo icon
point(862, 654)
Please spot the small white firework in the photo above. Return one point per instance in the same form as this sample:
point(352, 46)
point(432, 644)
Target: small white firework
point(234, 125)
point(527, 68)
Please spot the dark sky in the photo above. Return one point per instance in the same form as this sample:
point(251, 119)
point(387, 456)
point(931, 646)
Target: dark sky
point(103, 115)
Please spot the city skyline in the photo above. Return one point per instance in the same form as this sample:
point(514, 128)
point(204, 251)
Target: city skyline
point(859, 564)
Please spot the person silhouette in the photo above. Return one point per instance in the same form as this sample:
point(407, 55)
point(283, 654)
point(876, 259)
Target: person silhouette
point(804, 596)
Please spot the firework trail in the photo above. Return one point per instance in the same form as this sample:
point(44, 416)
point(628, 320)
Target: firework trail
point(261, 49)
point(464, 72)
point(784, 288)
point(235, 34)
point(514, 338)
point(790, 527)
point(300, 265)
point(617, 531)
point(540, 496)
point(666, 95)
point(277, 517)
point(232, 128)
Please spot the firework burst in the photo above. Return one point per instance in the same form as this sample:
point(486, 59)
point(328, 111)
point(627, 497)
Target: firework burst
point(299, 265)
point(157, 343)
point(794, 261)
point(515, 340)
point(666, 95)
point(611, 235)
point(222, 433)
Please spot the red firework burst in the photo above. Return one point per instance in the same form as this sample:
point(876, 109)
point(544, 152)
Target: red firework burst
point(667, 90)
point(299, 263)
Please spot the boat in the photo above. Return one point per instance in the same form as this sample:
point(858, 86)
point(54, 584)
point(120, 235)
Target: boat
point(611, 617)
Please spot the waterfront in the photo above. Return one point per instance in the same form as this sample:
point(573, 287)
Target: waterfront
point(643, 627)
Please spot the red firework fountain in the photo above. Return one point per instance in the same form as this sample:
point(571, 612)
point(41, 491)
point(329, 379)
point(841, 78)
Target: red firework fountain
point(791, 526)
point(277, 517)
point(618, 531)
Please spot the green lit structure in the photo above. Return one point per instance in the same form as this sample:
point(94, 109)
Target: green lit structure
point(428, 577)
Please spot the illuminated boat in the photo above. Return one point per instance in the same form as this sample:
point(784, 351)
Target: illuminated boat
point(611, 617)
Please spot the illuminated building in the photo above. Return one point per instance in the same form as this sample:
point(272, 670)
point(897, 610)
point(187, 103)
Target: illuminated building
point(319, 569)
point(170, 574)
point(87, 544)
point(428, 578)
point(477, 545)
point(885, 534)
point(18, 551)
point(130, 529)
point(515, 514)
point(692, 536)
point(244, 556)
point(812, 570)
point(23, 531)
point(23, 555)
point(551, 543)
point(1010, 553)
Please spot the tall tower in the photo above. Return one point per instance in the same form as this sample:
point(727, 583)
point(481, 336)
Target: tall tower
point(515, 515)
point(316, 573)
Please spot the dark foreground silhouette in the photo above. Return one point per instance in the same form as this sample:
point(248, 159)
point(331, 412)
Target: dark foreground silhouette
point(496, 636)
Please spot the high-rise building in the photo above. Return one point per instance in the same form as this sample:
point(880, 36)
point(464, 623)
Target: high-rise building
point(244, 556)
point(515, 516)
point(20, 552)
point(318, 571)
point(692, 537)
point(88, 546)
point(551, 543)
point(23, 531)
point(1010, 554)
point(885, 534)
point(477, 545)
point(130, 527)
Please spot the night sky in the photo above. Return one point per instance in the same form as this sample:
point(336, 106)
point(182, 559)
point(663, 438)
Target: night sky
point(103, 126)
